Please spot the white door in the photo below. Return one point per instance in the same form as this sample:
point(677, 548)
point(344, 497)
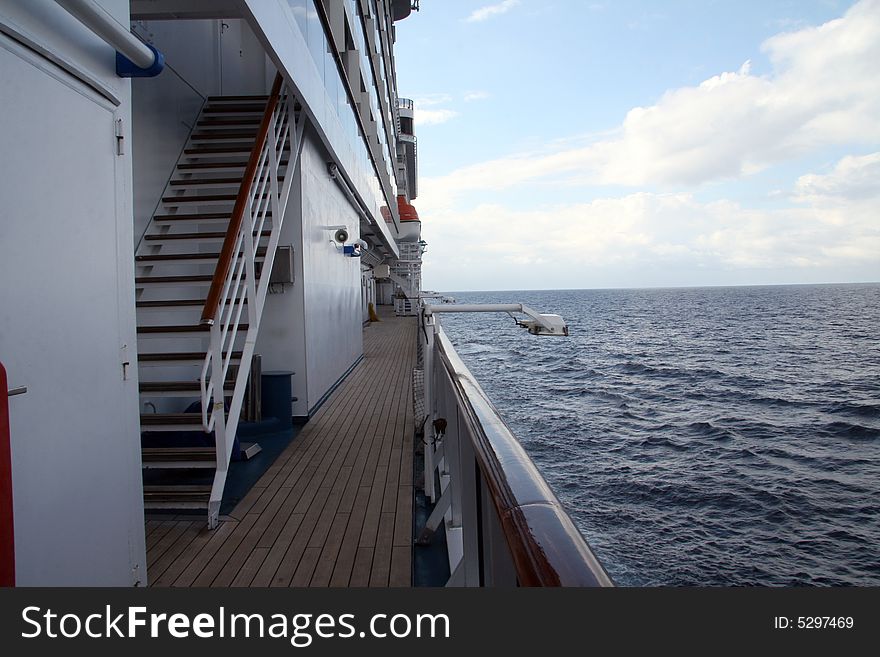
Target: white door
point(242, 60)
point(66, 326)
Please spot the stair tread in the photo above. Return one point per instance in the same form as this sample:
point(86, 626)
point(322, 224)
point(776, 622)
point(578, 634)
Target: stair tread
point(204, 198)
point(179, 487)
point(176, 256)
point(236, 108)
point(170, 303)
point(179, 493)
point(173, 279)
point(167, 450)
point(214, 99)
point(182, 328)
point(224, 134)
point(214, 235)
point(192, 166)
point(174, 303)
point(197, 216)
point(178, 454)
point(170, 257)
point(185, 236)
point(229, 148)
point(171, 418)
point(180, 355)
point(224, 120)
point(206, 181)
point(176, 386)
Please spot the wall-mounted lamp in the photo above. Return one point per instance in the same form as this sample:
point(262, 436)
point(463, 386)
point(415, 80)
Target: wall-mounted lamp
point(340, 233)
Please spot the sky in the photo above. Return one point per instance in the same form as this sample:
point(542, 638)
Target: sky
point(603, 144)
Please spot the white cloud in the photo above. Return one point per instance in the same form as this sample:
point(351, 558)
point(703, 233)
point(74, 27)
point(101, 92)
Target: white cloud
point(428, 110)
point(484, 13)
point(575, 244)
point(436, 114)
point(853, 178)
point(824, 90)
point(430, 100)
point(433, 117)
point(471, 96)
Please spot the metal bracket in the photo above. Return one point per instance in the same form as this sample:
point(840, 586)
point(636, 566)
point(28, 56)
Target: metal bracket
point(433, 521)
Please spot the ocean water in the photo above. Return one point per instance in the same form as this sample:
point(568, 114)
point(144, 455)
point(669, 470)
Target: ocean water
point(700, 436)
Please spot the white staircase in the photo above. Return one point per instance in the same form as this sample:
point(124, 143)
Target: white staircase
point(406, 272)
point(201, 290)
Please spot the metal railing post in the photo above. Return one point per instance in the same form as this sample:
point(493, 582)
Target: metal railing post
point(218, 413)
point(466, 496)
point(250, 262)
point(428, 326)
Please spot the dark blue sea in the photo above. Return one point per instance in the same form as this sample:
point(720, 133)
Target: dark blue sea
point(700, 436)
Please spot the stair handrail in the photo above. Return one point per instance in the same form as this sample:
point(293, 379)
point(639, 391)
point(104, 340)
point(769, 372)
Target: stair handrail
point(212, 302)
point(239, 281)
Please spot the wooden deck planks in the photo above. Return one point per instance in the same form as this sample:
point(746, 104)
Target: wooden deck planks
point(182, 561)
point(335, 509)
point(162, 561)
point(349, 547)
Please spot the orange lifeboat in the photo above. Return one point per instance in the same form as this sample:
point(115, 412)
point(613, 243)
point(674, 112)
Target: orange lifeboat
point(410, 224)
point(406, 210)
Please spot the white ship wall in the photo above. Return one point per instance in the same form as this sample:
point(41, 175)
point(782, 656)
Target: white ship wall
point(200, 63)
point(385, 293)
point(315, 327)
point(282, 340)
point(276, 28)
point(67, 323)
point(334, 335)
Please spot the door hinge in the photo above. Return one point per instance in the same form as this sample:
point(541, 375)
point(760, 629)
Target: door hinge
point(120, 138)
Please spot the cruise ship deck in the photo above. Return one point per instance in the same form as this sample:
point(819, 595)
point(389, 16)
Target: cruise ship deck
point(335, 509)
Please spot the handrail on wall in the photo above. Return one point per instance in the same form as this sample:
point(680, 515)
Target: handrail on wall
point(209, 312)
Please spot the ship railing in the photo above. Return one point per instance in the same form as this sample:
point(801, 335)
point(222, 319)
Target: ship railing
point(241, 281)
point(504, 525)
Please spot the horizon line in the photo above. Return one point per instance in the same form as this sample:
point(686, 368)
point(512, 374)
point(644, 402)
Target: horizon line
point(663, 287)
